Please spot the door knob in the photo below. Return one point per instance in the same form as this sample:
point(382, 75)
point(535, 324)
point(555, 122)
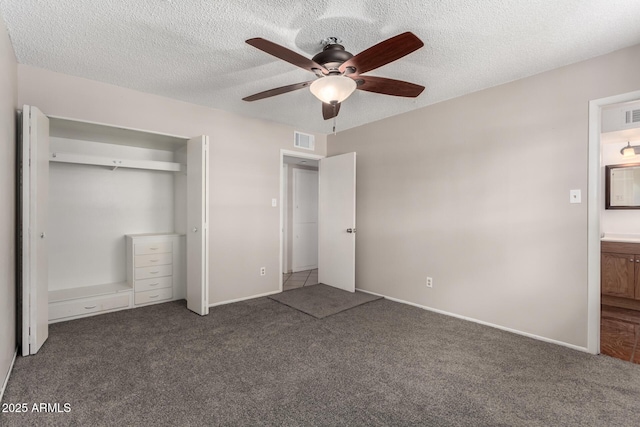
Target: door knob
point(195, 229)
point(42, 235)
point(351, 230)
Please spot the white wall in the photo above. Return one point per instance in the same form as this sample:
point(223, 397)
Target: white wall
point(244, 159)
point(474, 192)
point(8, 103)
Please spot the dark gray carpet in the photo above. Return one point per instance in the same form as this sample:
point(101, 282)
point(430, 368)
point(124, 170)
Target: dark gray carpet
point(262, 363)
point(321, 300)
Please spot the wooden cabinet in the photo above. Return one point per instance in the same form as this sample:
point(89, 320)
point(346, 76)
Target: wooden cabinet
point(620, 269)
point(153, 266)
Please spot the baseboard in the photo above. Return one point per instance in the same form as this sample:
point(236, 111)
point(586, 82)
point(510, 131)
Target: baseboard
point(481, 322)
point(243, 298)
point(6, 380)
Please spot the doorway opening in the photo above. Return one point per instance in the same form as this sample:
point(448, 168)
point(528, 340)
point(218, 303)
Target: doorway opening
point(620, 231)
point(599, 229)
point(299, 220)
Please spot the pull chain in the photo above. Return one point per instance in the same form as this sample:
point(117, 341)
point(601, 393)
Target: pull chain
point(335, 115)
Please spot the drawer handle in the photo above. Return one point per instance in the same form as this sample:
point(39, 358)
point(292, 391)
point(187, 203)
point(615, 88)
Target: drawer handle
point(90, 307)
point(154, 296)
point(153, 260)
point(154, 284)
point(153, 249)
point(154, 272)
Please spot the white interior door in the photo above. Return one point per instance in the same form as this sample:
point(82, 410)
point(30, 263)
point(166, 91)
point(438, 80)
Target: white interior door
point(305, 220)
point(198, 227)
point(337, 222)
point(35, 201)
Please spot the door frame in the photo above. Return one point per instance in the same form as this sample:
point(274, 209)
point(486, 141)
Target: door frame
point(300, 155)
point(594, 201)
point(285, 218)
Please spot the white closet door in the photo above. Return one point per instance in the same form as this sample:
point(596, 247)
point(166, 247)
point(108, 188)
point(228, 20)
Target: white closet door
point(198, 227)
point(35, 201)
point(305, 220)
point(337, 222)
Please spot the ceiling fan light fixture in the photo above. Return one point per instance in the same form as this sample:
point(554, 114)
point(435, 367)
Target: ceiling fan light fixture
point(629, 150)
point(333, 89)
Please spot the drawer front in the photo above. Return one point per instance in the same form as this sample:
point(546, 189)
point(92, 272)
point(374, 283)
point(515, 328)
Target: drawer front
point(153, 296)
point(154, 283)
point(153, 259)
point(152, 248)
point(152, 272)
point(60, 310)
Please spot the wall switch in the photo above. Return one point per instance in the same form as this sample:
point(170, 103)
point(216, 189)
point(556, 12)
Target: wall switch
point(274, 203)
point(575, 196)
point(429, 282)
point(263, 271)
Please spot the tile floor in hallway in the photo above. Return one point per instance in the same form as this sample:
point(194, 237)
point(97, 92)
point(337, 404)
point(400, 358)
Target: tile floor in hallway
point(299, 279)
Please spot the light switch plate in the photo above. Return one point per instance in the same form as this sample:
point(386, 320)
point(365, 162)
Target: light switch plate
point(575, 196)
point(274, 203)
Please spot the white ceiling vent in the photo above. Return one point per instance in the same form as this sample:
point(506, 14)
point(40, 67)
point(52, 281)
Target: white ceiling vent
point(303, 140)
point(632, 116)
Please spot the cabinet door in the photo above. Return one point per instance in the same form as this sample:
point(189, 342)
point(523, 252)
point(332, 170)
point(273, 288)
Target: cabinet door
point(618, 278)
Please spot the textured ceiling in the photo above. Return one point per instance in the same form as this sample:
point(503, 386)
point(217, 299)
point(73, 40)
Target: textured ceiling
point(194, 50)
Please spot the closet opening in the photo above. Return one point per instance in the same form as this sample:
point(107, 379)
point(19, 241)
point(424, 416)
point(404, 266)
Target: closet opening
point(111, 219)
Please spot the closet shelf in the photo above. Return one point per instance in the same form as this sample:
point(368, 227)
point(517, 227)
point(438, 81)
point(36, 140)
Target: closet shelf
point(88, 291)
point(115, 163)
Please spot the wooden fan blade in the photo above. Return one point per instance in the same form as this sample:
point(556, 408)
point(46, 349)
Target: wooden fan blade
point(285, 54)
point(277, 91)
point(383, 53)
point(388, 86)
point(329, 111)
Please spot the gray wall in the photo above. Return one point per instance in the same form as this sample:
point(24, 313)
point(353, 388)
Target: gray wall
point(8, 103)
point(244, 164)
point(474, 192)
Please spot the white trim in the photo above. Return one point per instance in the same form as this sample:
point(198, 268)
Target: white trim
point(6, 380)
point(284, 201)
point(471, 319)
point(290, 153)
point(231, 301)
point(594, 201)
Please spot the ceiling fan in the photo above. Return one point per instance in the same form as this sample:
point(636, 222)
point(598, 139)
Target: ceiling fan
point(339, 73)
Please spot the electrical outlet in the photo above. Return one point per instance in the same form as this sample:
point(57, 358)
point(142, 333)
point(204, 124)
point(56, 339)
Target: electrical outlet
point(429, 282)
point(263, 271)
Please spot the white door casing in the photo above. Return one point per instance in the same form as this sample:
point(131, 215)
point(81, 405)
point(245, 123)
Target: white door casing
point(305, 220)
point(337, 221)
point(35, 201)
point(198, 225)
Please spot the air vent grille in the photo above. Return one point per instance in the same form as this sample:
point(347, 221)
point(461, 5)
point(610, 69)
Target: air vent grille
point(303, 140)
point(632, 116)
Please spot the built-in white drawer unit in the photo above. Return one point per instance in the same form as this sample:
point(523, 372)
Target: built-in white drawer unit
point(153, 283)
point(150, 272)
point(153, 248)
point(153, 266)
point(84, 306)
point(153, 296)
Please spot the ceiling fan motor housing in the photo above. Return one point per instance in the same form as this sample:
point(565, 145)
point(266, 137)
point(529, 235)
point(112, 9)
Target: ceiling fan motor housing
point(332, 56)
